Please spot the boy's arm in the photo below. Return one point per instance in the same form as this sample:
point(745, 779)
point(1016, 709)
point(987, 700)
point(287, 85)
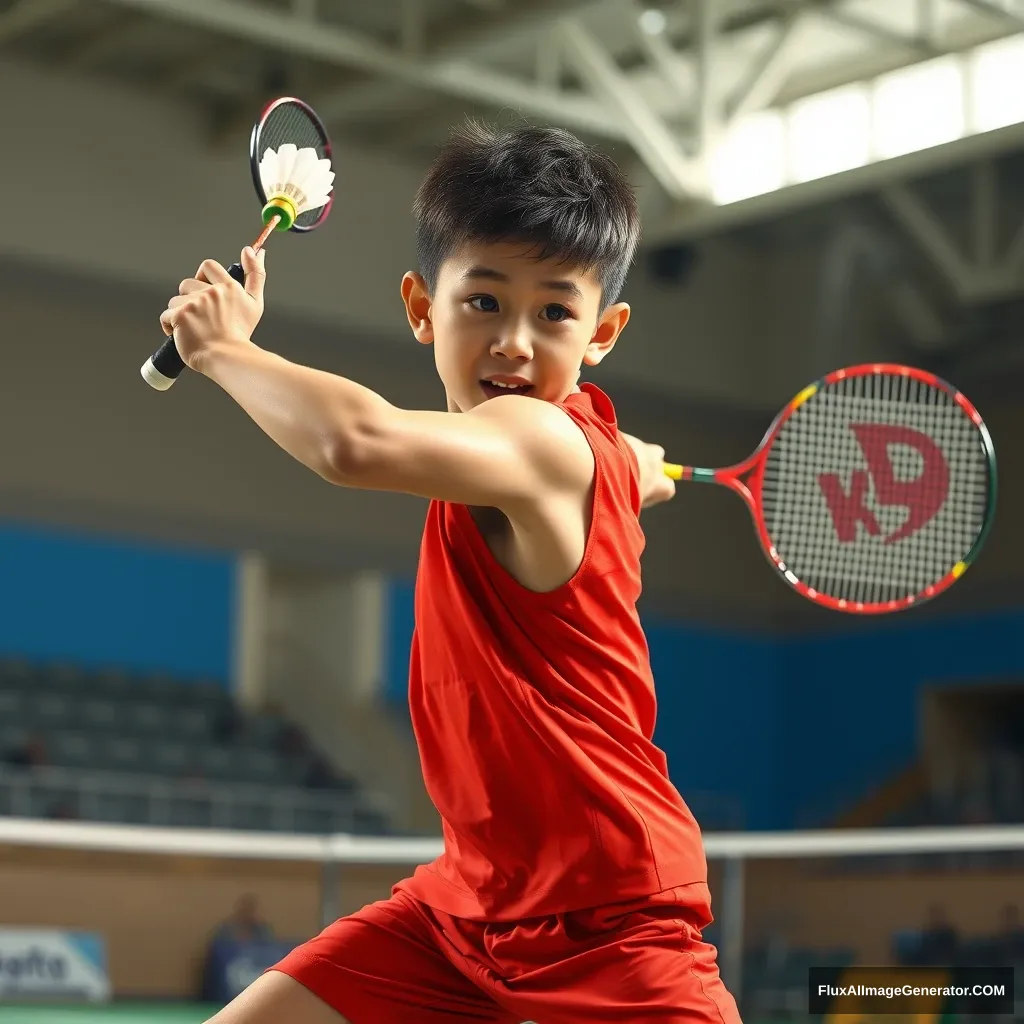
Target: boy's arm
point(655, 486)
point(509, 452)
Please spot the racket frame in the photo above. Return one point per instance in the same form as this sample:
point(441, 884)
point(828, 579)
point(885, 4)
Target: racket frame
point(254, 154)
point(746, 479)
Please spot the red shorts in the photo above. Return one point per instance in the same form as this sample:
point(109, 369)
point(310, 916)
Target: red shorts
point(400, 962)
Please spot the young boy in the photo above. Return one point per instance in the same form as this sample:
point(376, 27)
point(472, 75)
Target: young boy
point(573, 886)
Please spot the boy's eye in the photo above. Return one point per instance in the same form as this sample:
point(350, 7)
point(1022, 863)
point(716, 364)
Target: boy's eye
point(556, 313)
point(484, 303)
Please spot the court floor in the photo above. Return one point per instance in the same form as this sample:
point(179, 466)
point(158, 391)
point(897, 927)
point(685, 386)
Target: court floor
point(120, 1013)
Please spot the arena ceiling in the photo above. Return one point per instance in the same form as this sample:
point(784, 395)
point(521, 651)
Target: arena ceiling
point(661, 78)
point(663, 82)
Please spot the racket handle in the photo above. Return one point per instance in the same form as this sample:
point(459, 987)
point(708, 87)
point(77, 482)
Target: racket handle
point(673, 472)
point(164, 366)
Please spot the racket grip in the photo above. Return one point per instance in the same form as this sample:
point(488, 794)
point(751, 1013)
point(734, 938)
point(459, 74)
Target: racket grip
point(673, 471)
point(164, 366)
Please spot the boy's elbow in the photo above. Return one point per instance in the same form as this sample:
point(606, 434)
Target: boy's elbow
point(355, 451)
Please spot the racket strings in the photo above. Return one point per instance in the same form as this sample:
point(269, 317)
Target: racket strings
point(875, 488)
point(289, 122)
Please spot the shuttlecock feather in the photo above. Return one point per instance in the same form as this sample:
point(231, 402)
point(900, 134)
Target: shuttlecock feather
point(294, 182)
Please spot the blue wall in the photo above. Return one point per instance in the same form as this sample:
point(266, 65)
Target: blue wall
point(720, 720)
point(790, 731)
point(104, 603)
point(398, 627)
point(839, 690)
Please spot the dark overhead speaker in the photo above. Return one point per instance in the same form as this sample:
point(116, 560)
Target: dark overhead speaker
point(672, 264)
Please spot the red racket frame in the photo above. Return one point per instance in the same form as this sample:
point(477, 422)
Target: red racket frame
point(747, 479)
point(254, 154)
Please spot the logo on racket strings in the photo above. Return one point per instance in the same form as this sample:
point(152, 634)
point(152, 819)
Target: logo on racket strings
point(922, 497)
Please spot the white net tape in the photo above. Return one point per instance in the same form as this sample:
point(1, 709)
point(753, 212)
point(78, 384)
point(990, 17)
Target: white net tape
point(875, 488)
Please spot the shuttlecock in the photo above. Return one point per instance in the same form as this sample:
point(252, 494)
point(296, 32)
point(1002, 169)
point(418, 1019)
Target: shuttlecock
point(294, 182)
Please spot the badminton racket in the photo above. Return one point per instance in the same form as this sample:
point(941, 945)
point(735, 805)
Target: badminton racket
point(872, 491)
point(290, 161)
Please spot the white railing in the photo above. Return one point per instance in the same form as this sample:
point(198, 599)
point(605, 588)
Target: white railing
point(335, 851)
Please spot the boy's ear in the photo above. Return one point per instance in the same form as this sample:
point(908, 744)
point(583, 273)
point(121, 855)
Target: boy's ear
point(609, 327)
point(416, 297)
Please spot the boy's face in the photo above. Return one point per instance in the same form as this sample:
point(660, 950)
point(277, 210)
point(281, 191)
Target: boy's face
point(499, 317)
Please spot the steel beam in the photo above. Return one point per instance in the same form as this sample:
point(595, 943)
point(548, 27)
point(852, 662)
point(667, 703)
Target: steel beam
point(366, 100)
point(769, 72)
point(649, 135)
point(984, 213)
point(997, 11)
point(927, 12)
point(345, 48)
point(549, 62)
point(107, 41)
point(691, 224)
point(26, 15)
point(878, 31)
point(660, 53)
point(707, 116)
point(414, 27)
point(930, 234)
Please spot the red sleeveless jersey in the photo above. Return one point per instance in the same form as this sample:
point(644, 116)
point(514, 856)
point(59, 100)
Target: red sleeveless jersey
point(534, 716)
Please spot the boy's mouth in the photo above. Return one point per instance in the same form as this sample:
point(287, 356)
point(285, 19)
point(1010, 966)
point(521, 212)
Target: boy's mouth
point(505, 386)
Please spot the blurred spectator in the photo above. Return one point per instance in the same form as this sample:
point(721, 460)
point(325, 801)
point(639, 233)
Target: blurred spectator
point(30, 754)
point(243, 926)
point(939, 942)
point(245, 923)
point(319, 774)
point(1010, 939)
point(291, 741)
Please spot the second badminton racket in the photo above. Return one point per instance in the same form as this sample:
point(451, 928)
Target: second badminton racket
point(290, 160)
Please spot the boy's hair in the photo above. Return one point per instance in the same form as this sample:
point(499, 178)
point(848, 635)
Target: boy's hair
point(540, 186)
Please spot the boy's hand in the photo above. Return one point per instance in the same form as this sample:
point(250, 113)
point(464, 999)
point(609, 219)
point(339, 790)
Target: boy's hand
point(212, 307)
point(655, 486)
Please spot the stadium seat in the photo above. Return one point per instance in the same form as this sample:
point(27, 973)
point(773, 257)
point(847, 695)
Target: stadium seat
point(191, 812)
point(147, 718)
point(216, 762)
point(12, 734)
point(117, 724)
point(256, 817)
point(257, 765)
point(132, 808)
point(15, 675)
point(169, 758)
point(191, 723)
point(100, 715)
point(111, 684)
point(12, 705)
point(61, 678)
point(314, 820)
point(72, 749)
point(52, 710)
point(123, 753)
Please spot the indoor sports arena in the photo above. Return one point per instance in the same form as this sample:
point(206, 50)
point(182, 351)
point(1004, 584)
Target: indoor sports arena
point(217, 734)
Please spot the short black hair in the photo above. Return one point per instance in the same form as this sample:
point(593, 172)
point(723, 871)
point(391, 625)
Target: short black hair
point(536, 185)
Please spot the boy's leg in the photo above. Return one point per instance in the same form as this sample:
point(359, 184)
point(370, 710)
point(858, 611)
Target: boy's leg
point(382, 965)
point(274, 998)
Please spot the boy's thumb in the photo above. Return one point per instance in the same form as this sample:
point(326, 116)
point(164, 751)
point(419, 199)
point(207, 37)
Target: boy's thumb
point(255, 274)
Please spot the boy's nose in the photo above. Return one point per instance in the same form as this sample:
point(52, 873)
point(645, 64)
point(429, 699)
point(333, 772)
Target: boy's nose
point(514, 343)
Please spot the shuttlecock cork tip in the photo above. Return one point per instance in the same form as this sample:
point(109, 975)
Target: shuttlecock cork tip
point(294, 182)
